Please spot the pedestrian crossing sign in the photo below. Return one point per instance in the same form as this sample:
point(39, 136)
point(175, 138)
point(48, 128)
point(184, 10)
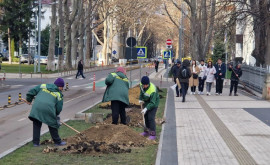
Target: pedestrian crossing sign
point(167, 54)
point(141, 52)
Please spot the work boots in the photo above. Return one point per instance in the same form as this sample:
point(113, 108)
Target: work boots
point(152, 135)
point(145, 134)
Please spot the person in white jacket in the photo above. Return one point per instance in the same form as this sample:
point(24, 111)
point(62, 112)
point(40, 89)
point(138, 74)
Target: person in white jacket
point(202, 68)
point(210, 76)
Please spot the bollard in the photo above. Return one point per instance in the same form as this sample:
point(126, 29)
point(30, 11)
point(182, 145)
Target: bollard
point(94, 83)
point(102, 64)
point(160, 81)
point(4, 74)
point(41, 74)
point(20, 97)
point(31, 74)
point(4, 78)
point(9, 99)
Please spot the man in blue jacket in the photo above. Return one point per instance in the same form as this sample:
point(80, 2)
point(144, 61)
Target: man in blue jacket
point(220, 75)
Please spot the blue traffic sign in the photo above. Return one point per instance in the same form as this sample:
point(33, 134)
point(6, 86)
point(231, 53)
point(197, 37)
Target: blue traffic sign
point(141, 52)
point(114, 52)
point(4, 50)
point(167, 54)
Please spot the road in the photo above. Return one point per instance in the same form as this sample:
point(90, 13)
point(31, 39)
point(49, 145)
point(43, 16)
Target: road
point(16, 128)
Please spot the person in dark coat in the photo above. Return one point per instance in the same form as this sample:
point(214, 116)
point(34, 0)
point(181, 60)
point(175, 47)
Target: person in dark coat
point(220, 75)
point(156, 65)
point(80, 69)
point(236, 74)
point(175, 72)
point(46, 109)
point(117, 92)
point(183, 76)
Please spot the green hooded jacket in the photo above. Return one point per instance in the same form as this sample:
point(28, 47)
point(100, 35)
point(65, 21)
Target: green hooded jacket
point(117, 88)
point(47, 105)
point(150, 96)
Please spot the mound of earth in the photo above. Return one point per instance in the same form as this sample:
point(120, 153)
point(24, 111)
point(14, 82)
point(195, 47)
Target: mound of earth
point(106, 139)
point(135, 117)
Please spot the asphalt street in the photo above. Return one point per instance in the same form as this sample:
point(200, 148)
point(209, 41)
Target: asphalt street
point(16, 128)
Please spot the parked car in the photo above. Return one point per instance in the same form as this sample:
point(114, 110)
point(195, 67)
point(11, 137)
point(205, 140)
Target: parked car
point(115, 59)
point(43, 60)
point(24, 58)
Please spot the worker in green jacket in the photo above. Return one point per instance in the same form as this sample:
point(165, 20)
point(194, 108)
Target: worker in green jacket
point(117, 92)
point(47, 106)
point(149, 97)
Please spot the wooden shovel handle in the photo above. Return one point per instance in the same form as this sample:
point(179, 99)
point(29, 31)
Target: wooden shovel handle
point(71, 127)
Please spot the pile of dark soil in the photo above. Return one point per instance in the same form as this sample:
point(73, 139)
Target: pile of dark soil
point(105, 139)
point(135, 117)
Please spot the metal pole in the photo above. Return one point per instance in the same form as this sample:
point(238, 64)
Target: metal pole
point(226, 58)
point(39, 32)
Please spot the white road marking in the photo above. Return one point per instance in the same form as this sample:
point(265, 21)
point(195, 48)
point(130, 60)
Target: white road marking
point(22, 119)
point(75, 86)
point(70, 78)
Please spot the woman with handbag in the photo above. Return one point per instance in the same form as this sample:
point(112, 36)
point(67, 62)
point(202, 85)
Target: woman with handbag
point(210, 77)
point(193, 80)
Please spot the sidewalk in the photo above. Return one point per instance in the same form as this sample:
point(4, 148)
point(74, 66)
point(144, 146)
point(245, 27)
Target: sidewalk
point(218, 130)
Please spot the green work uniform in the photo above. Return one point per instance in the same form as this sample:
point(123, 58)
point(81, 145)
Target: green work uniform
point(150, 96)
point(117, 88)
point(47, 105)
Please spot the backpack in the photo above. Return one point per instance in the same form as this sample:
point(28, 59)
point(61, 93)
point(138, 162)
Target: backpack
point(184, 73)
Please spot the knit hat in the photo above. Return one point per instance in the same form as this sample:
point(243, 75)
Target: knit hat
point(59, 82)
point(121, 69)
point(145, 80)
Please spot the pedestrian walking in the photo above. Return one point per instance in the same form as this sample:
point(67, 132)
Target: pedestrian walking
point(80, 69)
point(46, 109)
point(236, 74)
point(149, 97)
point(202, 77)
point(156, 65)
point(183, 76)
point(193, 80)
point(175, 72)
point(210, 77)
point(220, 75)
point(117, 92)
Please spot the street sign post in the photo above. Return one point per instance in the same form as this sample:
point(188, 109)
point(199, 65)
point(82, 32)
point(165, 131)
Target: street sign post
point(131, 42)
point(114, 52)
point(167, 54)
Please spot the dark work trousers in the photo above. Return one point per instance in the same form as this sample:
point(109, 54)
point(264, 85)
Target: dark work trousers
point(118, 108)
point(156, 67)
point(201, 84)
point(219, 85)
point(150, 122)
point(234, 84)
point(80, 72)
point(184, 88)
point(36, 132)
point(193, 89)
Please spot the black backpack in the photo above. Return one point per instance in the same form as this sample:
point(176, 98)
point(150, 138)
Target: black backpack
point(184, 73)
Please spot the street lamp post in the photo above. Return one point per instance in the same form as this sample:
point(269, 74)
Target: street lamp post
point(39, 32)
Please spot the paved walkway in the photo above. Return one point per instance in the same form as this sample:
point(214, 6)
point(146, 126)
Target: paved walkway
point(217, 130)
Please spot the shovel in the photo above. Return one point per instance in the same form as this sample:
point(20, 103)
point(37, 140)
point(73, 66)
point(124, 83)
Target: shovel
point(72, 128)
point(143, 125)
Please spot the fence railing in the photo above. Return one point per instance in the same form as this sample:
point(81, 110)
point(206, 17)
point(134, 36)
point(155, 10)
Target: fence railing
point(254, 77)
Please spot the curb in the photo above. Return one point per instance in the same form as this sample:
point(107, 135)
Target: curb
point(158, 159)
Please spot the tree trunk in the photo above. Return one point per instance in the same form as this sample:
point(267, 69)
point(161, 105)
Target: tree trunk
point(105, 37)
point(88, 44)
point(51, 51)
point(81, 32)
point(74, 41)
point(61, 34)
point(67, 36)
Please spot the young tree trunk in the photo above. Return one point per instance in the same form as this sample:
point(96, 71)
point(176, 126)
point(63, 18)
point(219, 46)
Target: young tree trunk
point(105, 37)
point(50, 64)
point(74, 41)
point(88, 44)
point(61, 34)
point(81, 32)
point(67, 36)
